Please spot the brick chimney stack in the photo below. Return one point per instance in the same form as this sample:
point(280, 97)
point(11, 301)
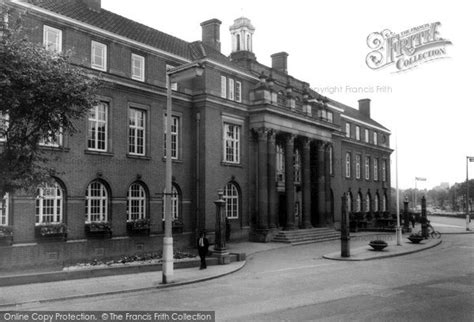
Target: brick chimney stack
point(364, 106)
point(211, 33)
point(279, 62)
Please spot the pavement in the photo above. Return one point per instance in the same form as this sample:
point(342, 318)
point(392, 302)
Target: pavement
point(393, 249)
point(20, 296)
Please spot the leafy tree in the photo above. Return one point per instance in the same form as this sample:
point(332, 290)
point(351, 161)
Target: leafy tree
point(41, 95)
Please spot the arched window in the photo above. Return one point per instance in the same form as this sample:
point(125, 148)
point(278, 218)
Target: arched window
point(4, 210)
point(367, 203)
point(384, 203)
point(237, 39)
point(136, 202)
point(376, 203)
point(231, 197)
point(97, 200)
point(49, 204)
point(359, 203)
point(175, 198)
point(297, 166)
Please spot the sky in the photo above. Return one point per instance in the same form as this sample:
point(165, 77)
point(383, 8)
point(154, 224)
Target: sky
point(428, 109)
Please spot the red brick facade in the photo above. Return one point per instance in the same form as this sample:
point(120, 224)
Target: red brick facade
point(270, 108)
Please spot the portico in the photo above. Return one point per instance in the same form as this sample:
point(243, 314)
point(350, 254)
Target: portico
point(291, 174)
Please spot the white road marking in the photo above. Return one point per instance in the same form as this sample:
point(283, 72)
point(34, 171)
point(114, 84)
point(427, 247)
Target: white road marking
point(446, 225)
point(296, 268)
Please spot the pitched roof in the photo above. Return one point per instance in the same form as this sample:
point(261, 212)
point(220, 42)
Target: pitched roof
point(356, 114)
point(114, 23)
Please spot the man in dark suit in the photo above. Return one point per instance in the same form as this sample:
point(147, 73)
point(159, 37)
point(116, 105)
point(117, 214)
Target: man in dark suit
point(202, 245)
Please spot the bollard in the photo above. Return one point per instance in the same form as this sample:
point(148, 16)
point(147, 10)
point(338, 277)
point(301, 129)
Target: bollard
point(424, 219)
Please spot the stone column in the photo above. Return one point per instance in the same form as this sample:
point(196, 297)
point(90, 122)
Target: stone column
point(262, 221)
point(306, 183)
point(321, 186)
point(290, 182)
point(272, 189)
point(327, 185)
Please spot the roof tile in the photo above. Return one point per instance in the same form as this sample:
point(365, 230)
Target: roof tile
point(117, 24)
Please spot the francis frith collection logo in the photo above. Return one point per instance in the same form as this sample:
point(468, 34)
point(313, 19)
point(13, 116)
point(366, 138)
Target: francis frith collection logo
point(407, 49)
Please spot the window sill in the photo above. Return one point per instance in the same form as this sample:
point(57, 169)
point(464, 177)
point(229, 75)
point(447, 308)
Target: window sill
point(139, 157)
point(228, 164)
point(172, 160)
point(102, 153)
point(54, 148)
point(138, 79)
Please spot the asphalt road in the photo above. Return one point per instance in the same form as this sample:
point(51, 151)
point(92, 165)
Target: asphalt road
point(297, 284)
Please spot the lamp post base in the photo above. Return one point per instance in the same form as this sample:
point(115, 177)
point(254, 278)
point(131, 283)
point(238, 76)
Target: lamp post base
point(168, 264)
point(345, 247)
point(399, 235)
point(223, 257)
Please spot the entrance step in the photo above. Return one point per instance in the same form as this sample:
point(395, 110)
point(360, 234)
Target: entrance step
point(306, 236)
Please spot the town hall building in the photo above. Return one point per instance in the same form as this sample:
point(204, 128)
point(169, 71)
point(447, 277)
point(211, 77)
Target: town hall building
point(283, 154)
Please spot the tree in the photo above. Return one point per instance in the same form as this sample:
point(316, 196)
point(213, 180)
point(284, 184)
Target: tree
point(41, 95)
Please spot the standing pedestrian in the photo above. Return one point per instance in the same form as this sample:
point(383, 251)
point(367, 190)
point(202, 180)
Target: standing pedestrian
point(202, 245)
point(412, 219)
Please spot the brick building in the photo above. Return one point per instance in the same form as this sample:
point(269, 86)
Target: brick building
point(283, 153)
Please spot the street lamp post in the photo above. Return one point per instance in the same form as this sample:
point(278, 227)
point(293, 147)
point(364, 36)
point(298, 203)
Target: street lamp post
point(468, 159)
point(183, 72)
point(398, 230)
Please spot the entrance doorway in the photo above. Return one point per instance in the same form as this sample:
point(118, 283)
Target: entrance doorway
point(282, 210)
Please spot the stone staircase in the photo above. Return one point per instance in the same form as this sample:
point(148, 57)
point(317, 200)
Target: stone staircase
point(306, 236)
